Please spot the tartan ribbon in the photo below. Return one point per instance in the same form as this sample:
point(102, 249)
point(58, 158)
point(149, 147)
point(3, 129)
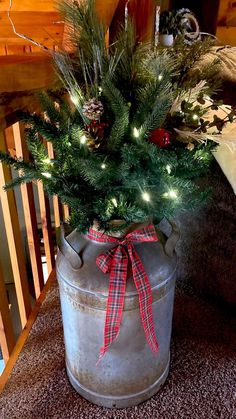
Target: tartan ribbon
point(115, 262)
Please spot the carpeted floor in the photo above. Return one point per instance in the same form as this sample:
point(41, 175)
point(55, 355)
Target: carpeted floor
point(201, 384)
point(202, 380)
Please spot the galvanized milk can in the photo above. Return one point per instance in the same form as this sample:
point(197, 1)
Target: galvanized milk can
point(129, 373)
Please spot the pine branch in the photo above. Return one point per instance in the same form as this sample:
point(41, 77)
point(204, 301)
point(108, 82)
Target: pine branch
point(157, 117)
point(66, 73)
point(121, 114)
point(27, 178)
point(46, 129)
point(17, 164)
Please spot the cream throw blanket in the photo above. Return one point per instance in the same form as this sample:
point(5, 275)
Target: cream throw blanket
point(227, 56)
point(225, 156)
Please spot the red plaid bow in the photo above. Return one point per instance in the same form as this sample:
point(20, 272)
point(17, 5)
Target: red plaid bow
point(115, 262)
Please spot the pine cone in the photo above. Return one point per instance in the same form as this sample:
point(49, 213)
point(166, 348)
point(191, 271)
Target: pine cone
point(190, 146)
point(93, 109)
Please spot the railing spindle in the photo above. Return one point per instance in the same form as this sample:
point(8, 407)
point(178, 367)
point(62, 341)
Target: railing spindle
point(13, 233)
point(56, 204)
point(29, 214)
point(46, 227)
point(66, 212)
point(7, 340)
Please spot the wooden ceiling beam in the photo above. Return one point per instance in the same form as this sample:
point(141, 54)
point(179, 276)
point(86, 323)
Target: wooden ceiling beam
point(45, 40)
point(28, 5)
point(22, 51)
point(34, 30)
point(51, 33)
point(29, 18)
point(29, 74)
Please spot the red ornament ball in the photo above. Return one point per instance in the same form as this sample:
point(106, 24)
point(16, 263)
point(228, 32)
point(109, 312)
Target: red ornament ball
point(160, 137)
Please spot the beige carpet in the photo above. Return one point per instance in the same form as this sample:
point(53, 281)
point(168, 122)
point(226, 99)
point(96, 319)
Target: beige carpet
point(201, 383)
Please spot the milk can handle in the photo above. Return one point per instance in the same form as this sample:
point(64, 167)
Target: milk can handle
point(172, 239)
point(67, 250)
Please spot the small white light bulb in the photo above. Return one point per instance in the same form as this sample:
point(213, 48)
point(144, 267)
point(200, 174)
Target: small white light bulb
point(173, 194)
point(114, 201)
point(46, 117)
point(74, 99)
point(136, 133)
point(146, 196)
point(195, 117)
point(168, 168)
point(165, 195)
point(160, 77)
point(83, 139)
point(103, 166)
point(47, 160)
point(47, 175)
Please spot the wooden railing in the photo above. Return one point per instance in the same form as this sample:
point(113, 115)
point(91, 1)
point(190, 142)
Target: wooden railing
point(40, 221)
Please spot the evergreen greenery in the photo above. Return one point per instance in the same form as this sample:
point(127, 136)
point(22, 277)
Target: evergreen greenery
point(109, 169)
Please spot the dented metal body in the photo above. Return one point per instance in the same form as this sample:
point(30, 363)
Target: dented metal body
point(129, 373)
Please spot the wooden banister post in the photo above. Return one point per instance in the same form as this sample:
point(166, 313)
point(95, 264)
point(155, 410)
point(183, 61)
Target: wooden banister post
point(14, 239)
point(29, 214)
point(7, 340)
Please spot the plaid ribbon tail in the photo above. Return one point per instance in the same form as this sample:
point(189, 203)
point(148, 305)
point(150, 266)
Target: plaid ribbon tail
point(145, 297)
point(114, 261)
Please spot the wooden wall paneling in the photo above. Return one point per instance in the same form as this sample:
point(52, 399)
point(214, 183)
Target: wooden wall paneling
point(29, 214)
point(46, 227)
point(14, 239)
point(7, 340)
point(55, 199)
point(143, 14)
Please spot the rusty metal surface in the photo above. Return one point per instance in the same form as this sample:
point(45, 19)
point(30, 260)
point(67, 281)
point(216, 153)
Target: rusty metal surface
point(129, 373)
